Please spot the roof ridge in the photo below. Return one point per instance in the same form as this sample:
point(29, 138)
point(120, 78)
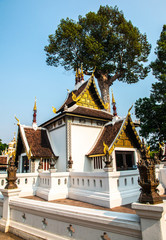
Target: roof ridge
point(99, 110)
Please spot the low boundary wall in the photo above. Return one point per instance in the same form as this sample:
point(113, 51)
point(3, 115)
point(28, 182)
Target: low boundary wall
point(32, 219)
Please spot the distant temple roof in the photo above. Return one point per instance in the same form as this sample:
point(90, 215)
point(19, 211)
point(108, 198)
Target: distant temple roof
point(35, 143)
point(3, 160)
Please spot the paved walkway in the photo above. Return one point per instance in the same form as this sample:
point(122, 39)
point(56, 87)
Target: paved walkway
point(9, 236)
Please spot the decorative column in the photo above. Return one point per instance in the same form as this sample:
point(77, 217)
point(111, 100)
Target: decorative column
point(150, 208)
point(107, 159)
point(108, 163)
point(152, 219)
point(147, 181)
point(70, 163)
point(11, 175)
point(40, 167)
point(11, 190)
point(52, 164)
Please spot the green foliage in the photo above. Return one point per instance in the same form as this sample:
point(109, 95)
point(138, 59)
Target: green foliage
point(104, 39)
point(3, 146)
point(152, 110)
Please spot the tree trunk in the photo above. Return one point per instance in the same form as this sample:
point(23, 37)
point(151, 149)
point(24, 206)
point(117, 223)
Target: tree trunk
point(104, 85)
point(105, 95)
point(104, 82)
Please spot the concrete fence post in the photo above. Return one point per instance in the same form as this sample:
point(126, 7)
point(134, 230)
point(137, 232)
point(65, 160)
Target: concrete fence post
point(152, 219)
point(8, 194)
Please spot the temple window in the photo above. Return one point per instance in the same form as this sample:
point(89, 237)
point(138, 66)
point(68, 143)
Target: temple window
point(82, 182)
point(101, 183)
point(125, 160)
point(98, 163)
point(88, 182)
point(60, 122)
point(94, 182)
point(125, 181)
point(25, 164)
point(45, 164)
point(82, 120)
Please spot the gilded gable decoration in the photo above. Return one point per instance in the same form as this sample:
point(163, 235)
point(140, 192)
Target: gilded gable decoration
point(90, 96)
point(120, 134)
point(123, 139)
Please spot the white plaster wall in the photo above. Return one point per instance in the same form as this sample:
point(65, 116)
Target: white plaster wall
point(82, 139)
point(58, 140)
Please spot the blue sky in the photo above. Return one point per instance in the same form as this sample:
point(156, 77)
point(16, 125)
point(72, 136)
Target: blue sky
point(24, 30)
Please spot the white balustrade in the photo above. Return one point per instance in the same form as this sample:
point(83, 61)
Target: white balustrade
point(27, 182)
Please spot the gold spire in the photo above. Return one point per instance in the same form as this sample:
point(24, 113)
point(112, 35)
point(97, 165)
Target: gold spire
point(35, 108)
point(130, 108)
point(113, 99)
point(93, 72)
point(82, 72)
point(76, 73)
point(82, 69)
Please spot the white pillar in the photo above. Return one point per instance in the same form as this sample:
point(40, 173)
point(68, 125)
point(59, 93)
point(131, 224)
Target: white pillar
point(8, 194)
point(153, 220)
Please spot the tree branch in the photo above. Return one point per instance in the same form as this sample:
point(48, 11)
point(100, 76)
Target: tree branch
point(87, 73)
point(113, 78)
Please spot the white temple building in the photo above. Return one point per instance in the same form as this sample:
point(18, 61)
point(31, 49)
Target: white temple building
point(95, 152)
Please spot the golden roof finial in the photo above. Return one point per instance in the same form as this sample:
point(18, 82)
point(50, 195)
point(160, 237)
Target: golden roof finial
point(54, 110)
point(18, 121)
point(130, 108)
point(35, 108)
point(106, 148)
point(74, 97)
point(113, 99)
point(82, 72)
point(94, 72)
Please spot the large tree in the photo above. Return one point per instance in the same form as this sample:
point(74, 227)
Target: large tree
point(152, 110)
point(3, 146)
point(104, 39)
